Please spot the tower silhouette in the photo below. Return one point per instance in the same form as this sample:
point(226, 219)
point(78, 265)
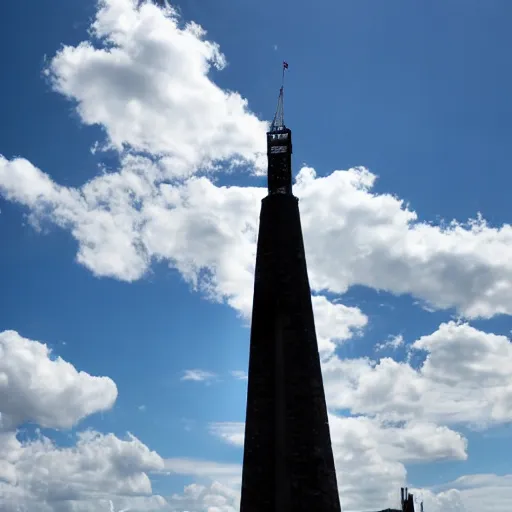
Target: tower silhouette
point(288, 463)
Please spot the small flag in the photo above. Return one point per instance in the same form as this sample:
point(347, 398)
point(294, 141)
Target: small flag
point(285, 65)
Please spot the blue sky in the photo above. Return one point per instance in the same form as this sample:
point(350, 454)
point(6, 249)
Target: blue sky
point(144, 276)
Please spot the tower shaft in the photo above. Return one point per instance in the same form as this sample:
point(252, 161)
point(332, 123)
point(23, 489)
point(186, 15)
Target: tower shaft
point(288, 462)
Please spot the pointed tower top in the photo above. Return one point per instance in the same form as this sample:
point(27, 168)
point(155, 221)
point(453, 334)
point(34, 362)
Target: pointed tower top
point(278, 122)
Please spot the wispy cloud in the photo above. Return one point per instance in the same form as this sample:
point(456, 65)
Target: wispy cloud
point(239, 374)
point(393, 342)
point(201, 467)
point(231, 432)
point(198, 375)
point(188, 424)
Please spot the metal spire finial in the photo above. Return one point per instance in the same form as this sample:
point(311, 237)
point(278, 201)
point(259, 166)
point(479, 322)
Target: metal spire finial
point(278, 122)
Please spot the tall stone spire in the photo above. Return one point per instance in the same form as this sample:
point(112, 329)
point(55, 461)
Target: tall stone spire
point(288, 462)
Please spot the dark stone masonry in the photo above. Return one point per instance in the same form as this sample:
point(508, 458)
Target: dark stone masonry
point(288, 461)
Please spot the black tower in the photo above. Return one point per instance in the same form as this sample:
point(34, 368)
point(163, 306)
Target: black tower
point(288, 462)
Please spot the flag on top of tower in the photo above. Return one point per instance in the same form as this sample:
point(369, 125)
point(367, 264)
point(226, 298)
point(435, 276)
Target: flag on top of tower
point(285, 64)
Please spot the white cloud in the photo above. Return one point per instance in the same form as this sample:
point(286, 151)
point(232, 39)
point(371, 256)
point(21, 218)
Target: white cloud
point(470, 493)
point(410, 442)
point(231, 432)
point(97, 472)
point(144, 79)
point(218, 489)
point(35, 387)
point(335, 323)
point(198, 375)
point(123, 221)
point(393, 342)
point(135, 88)
point(370, 455)
point(126, 219)
point(239, 374)
point(465, 378)
point(362, 446)
point(96, 468)
point(378, 242)
point(206, 498)
point(87, 476)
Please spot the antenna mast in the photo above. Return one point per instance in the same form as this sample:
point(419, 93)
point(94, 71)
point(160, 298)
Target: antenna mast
point(278, 122)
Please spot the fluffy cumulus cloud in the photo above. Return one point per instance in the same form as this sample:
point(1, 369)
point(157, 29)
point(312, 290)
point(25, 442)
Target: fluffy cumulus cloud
point(470, 494)
point(379, 243)
point(408, 413)
point(96, 471)
point(335, 323)
point(372, 451)
point(370, 454)
point(144, 79)
point(124, 220)
point(474, 493)
point(464, 378)
point(59, 394)
point(206, 498)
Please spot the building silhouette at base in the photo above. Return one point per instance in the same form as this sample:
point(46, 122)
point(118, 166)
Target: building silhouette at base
point(406, 503)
